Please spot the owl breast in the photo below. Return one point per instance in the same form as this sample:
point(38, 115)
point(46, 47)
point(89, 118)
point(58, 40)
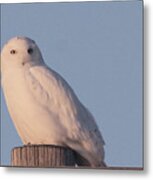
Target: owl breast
point(34, 123)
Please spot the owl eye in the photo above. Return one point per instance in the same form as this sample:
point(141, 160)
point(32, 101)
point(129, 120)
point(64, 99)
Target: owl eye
point(30, 51)
point(13, 51)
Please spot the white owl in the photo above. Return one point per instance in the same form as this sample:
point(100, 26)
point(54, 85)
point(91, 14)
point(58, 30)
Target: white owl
point(43, 106)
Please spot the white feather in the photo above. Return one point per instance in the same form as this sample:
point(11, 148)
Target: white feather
point(44, 108)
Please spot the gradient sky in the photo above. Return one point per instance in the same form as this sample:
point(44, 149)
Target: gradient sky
point(97, 48)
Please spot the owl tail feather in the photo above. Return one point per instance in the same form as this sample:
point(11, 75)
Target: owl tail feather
point(81, 161)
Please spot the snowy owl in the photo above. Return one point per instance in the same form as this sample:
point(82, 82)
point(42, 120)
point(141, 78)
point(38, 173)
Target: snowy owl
point(43, 106)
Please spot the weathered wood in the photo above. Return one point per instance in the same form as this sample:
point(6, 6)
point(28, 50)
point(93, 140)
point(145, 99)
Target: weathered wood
point(42, 156)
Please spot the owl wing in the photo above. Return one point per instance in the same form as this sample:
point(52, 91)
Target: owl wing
point(55, 94)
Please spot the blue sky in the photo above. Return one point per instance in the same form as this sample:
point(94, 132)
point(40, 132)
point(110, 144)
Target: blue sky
point(97, 48)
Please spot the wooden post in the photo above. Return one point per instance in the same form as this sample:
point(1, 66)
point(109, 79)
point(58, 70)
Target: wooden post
point(42, 156)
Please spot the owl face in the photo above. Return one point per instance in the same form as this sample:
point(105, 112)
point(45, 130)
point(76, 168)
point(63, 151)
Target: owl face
point(20, 52)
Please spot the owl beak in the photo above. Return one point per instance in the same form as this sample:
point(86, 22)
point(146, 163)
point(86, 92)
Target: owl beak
point(25, 62)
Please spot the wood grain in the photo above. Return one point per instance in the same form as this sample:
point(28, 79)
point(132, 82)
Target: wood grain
point(42, 156)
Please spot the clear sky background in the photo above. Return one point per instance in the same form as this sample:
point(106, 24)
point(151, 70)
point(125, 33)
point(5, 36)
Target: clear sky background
point(97, 48)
